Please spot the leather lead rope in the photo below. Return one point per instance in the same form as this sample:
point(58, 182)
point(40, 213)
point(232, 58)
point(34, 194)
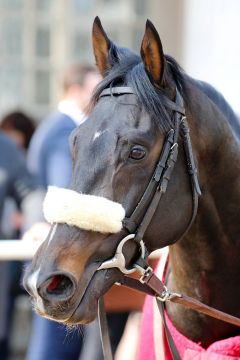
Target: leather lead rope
point(104, 333)
point(152, 285)
point(171, 343)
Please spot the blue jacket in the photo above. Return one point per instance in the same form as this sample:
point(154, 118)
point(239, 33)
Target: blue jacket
point(49, 157)
point(15, 180)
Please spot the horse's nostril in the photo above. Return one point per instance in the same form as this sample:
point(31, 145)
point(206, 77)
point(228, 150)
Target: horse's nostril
point(58, 285)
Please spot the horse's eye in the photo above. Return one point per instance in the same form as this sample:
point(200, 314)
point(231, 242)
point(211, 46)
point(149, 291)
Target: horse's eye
point(137, 152)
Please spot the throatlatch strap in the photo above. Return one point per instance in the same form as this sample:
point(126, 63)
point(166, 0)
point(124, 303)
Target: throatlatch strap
point(192, 169)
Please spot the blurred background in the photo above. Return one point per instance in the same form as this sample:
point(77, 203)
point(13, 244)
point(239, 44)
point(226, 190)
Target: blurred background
point(38, 38)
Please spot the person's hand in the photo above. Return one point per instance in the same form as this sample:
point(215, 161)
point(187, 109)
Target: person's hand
point(37, 232)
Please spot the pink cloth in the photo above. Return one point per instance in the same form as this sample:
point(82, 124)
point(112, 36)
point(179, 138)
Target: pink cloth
point(227, 349)
point(146, 346)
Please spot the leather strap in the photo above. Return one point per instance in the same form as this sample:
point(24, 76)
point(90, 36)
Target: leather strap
point(122, 90)
point(102, 319)
point(152, 285)
point(132, 223)
point(142, 215)
point(192, 169)
point(171, 343)
point(117, 90)
point(196, 305)
point(144, 211)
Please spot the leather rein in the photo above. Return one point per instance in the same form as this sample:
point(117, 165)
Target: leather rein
point(141, 217)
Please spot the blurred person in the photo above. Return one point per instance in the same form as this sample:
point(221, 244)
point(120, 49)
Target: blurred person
point(17, 183)
point(49, 160)
point(19, 127)
point(49, 157)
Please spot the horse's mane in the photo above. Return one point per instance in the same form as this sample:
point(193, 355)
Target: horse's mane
point(128, 70)
point(221, 103)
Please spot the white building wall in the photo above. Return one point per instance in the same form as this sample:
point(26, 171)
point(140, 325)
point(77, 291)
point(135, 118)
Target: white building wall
point(203, 36)
point(211, 47)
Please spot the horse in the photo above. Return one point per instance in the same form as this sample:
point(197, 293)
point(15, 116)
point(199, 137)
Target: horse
point(137, 111)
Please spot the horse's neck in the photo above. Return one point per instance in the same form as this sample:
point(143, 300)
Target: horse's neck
point(205, 263)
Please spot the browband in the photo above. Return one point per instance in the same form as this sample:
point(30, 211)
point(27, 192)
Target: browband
point(117, 90)
point(122, 90)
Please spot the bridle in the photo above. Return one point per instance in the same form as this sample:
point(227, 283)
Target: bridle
point(138, 222)
point(143, 213)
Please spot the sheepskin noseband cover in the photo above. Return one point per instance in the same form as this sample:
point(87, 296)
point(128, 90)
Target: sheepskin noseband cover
point(87, 212)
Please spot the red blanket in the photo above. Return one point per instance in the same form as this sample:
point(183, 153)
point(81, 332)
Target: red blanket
point(153, 344)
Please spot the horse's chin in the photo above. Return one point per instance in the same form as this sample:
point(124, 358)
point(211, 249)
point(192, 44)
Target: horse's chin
point(81, 311)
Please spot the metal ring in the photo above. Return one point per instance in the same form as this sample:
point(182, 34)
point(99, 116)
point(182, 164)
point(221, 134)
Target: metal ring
point(123, 241)
point(130, 237)
point(118, 260)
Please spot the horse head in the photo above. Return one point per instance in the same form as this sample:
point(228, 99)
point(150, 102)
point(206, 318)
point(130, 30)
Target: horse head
point(115, 156)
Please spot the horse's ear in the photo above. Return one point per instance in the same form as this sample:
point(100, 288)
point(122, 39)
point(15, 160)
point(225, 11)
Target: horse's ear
point(101, 46)
point(152, 53)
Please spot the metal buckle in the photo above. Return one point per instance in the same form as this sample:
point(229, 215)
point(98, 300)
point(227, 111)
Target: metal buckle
point(167, 295)
point(143, 272)
point(173, 146)
point(118, 260)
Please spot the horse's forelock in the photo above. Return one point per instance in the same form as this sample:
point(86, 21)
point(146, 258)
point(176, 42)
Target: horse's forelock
point(128, 70)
